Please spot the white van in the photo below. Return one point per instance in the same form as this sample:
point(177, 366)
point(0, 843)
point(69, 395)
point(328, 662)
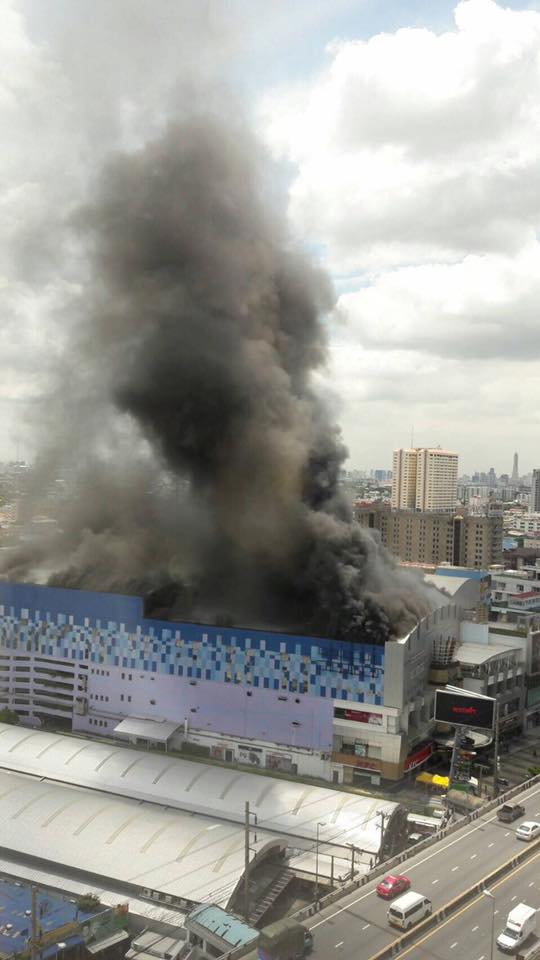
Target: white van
point(408, 909)
point(520, 923)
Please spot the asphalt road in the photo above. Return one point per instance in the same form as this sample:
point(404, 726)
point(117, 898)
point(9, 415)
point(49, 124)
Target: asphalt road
point(467, 935)
point(357, 926)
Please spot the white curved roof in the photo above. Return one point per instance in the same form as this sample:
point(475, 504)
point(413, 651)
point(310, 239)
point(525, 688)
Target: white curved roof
point(289, 808)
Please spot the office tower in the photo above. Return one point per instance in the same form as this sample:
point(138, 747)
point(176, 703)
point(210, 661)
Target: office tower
point(424, 479)
point(515, 469)
point(534, 503)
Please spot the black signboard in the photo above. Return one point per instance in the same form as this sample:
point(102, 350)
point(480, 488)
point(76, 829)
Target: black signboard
point(464, 709)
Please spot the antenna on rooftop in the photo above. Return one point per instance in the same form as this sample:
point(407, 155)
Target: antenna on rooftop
point(412, 437)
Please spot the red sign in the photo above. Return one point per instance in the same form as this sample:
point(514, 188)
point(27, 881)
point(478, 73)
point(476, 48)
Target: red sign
point(415, 759)
point(366, 764)
point(363, 716)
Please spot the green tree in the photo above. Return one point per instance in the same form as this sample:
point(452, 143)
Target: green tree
point(8, 716)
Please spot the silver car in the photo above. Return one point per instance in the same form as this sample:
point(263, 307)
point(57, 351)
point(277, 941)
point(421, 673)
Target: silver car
point(528, 830)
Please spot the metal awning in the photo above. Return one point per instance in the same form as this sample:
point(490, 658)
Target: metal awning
point(118, 937)
point(159, 731)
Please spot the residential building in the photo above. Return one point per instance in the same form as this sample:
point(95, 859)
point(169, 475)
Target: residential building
point(432, 538)
point(425, 479)
point(404, 477)
point(521, 522)
point(493, 662)
point(534, 504)
point(340, 711)
point(515, 469)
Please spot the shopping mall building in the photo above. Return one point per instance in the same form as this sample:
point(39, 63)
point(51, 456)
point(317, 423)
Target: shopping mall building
point(343, 712)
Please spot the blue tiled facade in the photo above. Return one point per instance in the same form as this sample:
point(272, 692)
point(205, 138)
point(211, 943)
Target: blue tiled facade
point(110, 629)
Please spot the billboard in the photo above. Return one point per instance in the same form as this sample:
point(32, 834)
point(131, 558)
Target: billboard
point(464, 708)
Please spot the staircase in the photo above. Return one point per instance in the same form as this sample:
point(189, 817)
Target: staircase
point(278, 883)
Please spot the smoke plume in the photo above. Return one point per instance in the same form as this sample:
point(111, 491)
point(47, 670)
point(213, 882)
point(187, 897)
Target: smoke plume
point(203, 327)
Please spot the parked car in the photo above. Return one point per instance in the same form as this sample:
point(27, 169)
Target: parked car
point(391, 885)
point(528, 830)
point(510, 811)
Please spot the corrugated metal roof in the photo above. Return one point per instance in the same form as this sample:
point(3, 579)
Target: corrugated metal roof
point(152, 821)
point(159, 731)
point(134, 843)
point(288, 807)
point(223, 925)
point(477, 653)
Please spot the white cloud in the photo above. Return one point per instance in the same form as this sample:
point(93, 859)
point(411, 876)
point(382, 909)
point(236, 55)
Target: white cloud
point(481, 307)
point(414, 145)
point(417, 162)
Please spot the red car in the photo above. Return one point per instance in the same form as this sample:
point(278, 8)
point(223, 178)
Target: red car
point(390, 886)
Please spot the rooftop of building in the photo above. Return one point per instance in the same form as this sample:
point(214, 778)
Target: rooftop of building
point(475, 654)
point(55, 914)
point(160, 822)
point(221, 924)
point(150, 944)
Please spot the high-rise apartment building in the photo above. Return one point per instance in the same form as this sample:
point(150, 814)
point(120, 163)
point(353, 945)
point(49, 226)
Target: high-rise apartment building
point(404, 473)
point(428, 537)
point(534, 503)
point(424, 478)
point(515, 469)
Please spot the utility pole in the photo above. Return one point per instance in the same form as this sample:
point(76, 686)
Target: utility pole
point(352, 861)
point(34, 925)
point(384, 817)
point(496, 757)
point(317, 862)
point(246, 864)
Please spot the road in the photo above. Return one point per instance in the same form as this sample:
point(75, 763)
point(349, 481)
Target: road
point(467, 935)
point(357, 927)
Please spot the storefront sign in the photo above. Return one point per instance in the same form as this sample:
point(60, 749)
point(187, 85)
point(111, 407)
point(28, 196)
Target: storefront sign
point(362, 716)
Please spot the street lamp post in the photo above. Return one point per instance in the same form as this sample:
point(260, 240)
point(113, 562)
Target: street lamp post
point(489, 895)
point(317, 863)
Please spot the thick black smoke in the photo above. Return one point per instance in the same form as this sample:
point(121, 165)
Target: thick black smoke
point(205, 326)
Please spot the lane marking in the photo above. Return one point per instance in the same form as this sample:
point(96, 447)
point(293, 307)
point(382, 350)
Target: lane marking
point(454, 869)
point(491, 844)
point(452, 945)
point(474, 856)
point(472, 903)
point(475, 928)
point(483, 957)
point(366, 926)
point(495, 912)
point(531, 883)
point(507, 834)
point(514, 898)
point(434, 882)
point(482, 823)
point(340, 944)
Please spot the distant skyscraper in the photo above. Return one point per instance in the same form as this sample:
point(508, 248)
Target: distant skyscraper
point(534, 503)
point(515, 469)
point(424, 478)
